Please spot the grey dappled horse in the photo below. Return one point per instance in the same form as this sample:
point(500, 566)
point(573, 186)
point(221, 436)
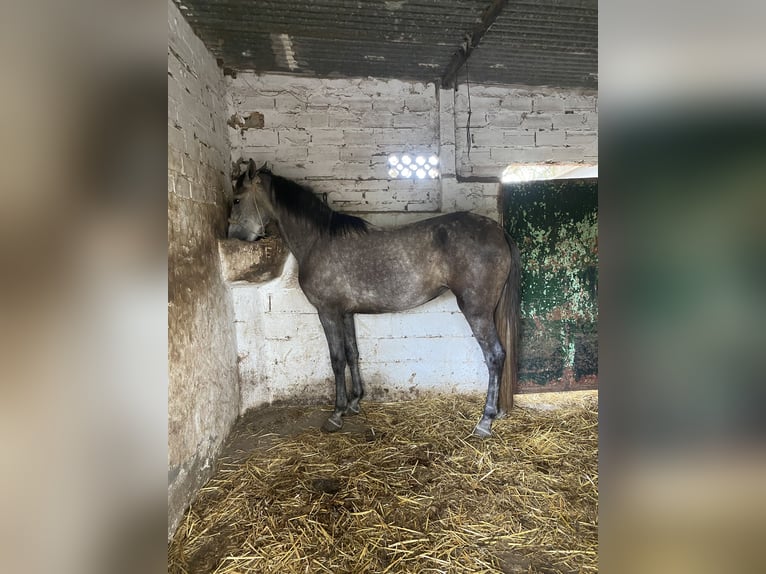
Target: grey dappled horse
point(347, 266)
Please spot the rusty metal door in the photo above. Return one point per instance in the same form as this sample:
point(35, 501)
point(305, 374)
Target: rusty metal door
point(555, 224)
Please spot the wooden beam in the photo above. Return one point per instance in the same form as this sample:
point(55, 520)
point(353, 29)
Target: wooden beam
point(472, 40)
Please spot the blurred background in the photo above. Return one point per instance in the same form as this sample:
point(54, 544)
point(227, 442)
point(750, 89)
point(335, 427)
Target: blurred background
point(83, 299)
point(683, 287)
point(83, 296)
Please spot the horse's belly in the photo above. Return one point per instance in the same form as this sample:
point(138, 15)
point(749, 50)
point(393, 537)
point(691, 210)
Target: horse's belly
point(383, 296)
point(378, 299)
point(388, 293)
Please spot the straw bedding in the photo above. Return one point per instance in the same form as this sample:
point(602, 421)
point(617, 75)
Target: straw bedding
point(408, 491)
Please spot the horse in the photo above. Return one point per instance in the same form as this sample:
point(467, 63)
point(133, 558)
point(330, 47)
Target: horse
point(347, 266)
point(247, 220)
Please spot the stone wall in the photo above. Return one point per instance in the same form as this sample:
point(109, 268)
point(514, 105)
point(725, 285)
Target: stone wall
point(203, 393)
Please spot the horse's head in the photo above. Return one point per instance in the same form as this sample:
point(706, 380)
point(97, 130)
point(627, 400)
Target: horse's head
point(250, 212)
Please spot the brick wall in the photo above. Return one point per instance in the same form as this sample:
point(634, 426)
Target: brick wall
point(515, 125)
point(203, 393)
point(336, 135)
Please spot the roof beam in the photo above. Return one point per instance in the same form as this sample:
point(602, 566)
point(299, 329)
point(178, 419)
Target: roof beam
point(472, 40)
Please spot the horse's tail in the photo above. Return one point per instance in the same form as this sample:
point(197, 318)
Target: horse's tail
point(507, 318)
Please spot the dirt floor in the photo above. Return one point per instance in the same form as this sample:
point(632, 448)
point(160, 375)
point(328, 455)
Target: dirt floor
point(404, 487)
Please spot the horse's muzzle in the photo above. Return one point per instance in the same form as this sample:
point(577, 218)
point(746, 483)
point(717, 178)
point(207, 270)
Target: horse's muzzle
point(239, 232)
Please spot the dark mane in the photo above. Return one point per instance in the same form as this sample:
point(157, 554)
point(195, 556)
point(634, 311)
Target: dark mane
point(301, 202)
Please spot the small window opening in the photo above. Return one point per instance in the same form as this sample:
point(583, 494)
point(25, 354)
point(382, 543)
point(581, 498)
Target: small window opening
point(519, 172)
point(420, 166)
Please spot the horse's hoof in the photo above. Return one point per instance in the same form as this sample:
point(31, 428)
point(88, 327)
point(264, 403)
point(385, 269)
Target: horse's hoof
point(332, 426)
point(352, 410)
point(482, 432)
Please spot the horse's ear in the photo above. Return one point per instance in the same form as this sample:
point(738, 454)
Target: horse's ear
point(239, 182)
point(251, 169)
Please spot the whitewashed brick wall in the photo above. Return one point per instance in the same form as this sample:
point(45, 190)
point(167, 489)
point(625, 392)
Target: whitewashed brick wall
point(337, 135)
point(515, 125)
point(203, 393)
point(198, 144)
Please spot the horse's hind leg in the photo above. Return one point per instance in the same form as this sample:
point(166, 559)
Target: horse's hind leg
point(352, 356)
point(483, 326)
point(333, 330)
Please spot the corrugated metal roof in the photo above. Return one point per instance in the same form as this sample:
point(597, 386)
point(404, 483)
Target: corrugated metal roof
point(532, 42)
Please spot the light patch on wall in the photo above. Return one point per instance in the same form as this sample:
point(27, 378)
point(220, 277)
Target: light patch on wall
point(394, 4)
point(515, 173)
point(416, 166)
point(282, 47)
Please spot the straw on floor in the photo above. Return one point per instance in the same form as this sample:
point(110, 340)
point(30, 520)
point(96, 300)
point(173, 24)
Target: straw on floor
point(413, 493)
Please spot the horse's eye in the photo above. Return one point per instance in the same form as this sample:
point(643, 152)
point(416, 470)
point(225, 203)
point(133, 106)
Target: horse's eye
point(236, 201)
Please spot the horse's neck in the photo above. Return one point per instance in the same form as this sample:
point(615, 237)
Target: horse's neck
point(299, 236)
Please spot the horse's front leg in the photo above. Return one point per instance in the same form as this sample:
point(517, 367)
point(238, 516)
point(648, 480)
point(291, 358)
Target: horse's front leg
point(352, 355)
point(333, 330)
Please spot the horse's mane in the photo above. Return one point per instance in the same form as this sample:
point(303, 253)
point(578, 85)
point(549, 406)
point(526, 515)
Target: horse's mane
point(301, 202)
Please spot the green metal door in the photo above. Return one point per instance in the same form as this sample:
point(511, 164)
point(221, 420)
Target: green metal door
point(555, 224)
